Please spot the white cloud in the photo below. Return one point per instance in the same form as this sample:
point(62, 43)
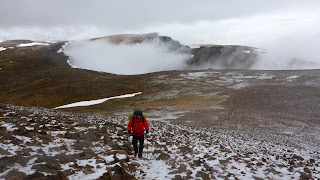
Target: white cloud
point(124, 59)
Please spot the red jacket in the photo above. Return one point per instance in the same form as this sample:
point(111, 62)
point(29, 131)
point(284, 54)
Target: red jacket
point(138, 124)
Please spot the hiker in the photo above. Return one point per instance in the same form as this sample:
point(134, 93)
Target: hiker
point(138, 123)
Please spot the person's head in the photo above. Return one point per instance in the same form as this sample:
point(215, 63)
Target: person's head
point(138, 114)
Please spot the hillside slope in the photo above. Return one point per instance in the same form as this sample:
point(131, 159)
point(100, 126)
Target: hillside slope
point(46, 144)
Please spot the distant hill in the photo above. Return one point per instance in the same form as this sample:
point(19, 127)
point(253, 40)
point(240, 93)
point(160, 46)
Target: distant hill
point(39, 75)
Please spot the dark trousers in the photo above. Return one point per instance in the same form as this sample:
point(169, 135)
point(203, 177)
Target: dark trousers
point(135, 144)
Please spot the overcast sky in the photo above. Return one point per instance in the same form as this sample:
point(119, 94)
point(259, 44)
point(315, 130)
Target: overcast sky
point(132, 14)
point(247, 22)
point(286, 28)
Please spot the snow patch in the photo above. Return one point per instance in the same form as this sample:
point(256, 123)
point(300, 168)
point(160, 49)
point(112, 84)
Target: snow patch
point(121, 156)
point(108, 159)
point(291, 78)
point(98, 168)
point(23, 138)
point(155, 170)
point(94, 102)
point(9, 126)
point(63, 47)
point(29, 128)
point(239, 86)
point(11, 148)
point(33, 44)
point(70, 64)
point(197, 75)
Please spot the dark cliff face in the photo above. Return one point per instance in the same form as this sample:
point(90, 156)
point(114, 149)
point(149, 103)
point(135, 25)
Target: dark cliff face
point(223, 57)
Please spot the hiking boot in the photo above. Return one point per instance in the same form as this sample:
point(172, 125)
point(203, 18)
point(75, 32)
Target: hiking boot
point(134, 154)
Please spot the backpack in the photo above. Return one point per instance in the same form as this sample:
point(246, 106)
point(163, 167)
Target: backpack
point(131, 115)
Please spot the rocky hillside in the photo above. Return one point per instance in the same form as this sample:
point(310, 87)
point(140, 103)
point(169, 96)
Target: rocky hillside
point(38, 143)
point(205, 124)
point(224, 57)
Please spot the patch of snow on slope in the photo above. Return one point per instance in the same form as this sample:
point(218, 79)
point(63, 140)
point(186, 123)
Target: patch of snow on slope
point(98, 168)
point(94, 102)
point(27, 169)
point(11, 148)
point(291, 78)
point(23, 138)
point(63, 47)
point(154, 169)
point(197, 75)
point(33, 44)
point(70, 64)
point(9, 126)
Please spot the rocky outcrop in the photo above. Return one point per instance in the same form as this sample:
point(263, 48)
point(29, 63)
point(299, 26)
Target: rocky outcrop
point(223, 57)
point(213, 56)
point(151, 38)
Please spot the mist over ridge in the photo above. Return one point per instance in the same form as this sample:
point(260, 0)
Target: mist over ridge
point(287, 30)
point(147, 53)
point(125, 58)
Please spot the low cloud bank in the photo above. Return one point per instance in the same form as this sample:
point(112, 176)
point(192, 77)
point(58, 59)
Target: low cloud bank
point(290, 38)
point(125, 59)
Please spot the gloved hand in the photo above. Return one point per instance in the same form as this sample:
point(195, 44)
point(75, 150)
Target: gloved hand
point(129, 132)
point(147, 131)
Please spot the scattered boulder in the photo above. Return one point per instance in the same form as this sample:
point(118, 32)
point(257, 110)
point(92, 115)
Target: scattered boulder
point(177, 177)
point(305, 176)
point(163, 156)
point(47, 168)
point(226, 161)
point(105, 176)
point(63, 158)
point(272, 170)
point(88, 169)
point(135, 164)
point(202, 175)
point(196, 162)
point(174, 172)
point(297, 157)
point(117, 172)
point(79, 145)
point(91, 136)
point(15, 175)
point(185, 150)
point(182, 168)
point(4, 152)
point(36, 175)
point(48, 160)
point(87, 154)
point(69, 135)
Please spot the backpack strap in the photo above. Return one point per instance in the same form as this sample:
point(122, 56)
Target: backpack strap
point(132, 121)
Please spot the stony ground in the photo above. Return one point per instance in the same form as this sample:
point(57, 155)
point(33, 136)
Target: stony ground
point(39, 143)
